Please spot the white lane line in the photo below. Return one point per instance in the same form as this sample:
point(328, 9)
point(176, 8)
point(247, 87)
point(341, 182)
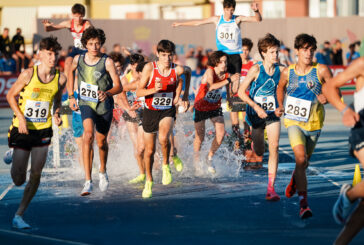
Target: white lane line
point(51, 239)
point(3, 194)
point(313, 168)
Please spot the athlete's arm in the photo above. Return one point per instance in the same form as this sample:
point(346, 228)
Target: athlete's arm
point(256, 18)
point(331, 87)
point(129, 86)
point(178, 91)
point(325, 75)
point(117, 87)
point(252, 75)
point(49, 26)
point(142, 91)
point(186, 70)
point(88, 24)
point(23, 79)
point(214, 86)
point(71, 85)
point(58, 99)
point(281, 90)
point(213, 19)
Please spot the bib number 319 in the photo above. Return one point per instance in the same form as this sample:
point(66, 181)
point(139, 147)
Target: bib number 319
point(36, 111)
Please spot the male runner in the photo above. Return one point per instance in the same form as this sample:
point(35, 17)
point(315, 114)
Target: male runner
point(76, 25)
point(208, 105)
point(161, 86)
point(301, 84)
point(263, 79)
point(39, 88)
point(97, 83)
point(228, 34)
point(346, 209)
point(133, 119)
point(235, 103)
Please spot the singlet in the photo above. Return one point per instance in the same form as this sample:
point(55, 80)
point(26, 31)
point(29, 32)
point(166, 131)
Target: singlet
point(162, 100)
point(263, 90)
point(92, 78)
point(77, 35)
point(228, 36)
point(36, 101)
point(302, 107)
point(131, 95)
point(209, 100)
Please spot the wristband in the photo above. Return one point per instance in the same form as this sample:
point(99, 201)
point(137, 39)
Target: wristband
point(229, 80)
point(108, 94)
point(344, 110)
point(71, 96)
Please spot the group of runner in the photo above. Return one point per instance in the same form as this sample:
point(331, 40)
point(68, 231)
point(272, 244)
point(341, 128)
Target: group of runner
point(149, 93)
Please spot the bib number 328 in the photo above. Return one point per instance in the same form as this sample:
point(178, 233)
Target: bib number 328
point(88, 92)
point(297, 109)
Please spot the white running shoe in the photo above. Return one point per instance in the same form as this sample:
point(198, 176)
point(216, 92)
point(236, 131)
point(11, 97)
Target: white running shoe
point(104, 181)
point(87, 188)
point(19, 223)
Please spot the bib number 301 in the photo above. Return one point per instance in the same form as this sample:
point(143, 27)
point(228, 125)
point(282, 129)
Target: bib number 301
point(36, 111)
point(297, 109)
point(88, 92)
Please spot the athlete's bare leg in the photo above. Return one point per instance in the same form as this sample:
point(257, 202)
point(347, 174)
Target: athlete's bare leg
point(38, 159)
point(219, 125)
point(273, 133)
point(140, 150)
point(301, 165)
point(165, 130)
point(88, 139)
point(101, 140)
point(199, 138)
point(149, 141)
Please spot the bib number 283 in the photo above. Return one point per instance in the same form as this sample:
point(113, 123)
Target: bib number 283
point(297, 109)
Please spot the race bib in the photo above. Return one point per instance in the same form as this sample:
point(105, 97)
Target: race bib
point(36, 111)
point(226, 33)
point(162, 101)
point(88, 92)
point(359, 100)
point(297, 109)
point(213, 96)
point(267, 103)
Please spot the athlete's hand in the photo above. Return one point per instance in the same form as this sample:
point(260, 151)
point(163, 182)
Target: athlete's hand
point(350, 118)
point(235, 83)
point(46, 23)
point(254, 6)
point(279, 111)
point(134, 107)
point(102, 95)
point(22, 125)
point(321, 98)
point(158, 86)
point(261, 113)
point(57, 119)
point(185, 104)
point(73, 104)
point(176, 101)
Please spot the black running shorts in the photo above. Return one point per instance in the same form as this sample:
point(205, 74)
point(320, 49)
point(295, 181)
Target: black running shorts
point(152, 118)
point(35, 138)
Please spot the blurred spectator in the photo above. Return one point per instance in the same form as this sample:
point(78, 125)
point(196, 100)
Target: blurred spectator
point(7, 65)
point(191, 60)
point(327, 52)
point(62, 60)
point(119, 62)
point(352, 54)
point(103, 50)
point(153, 57)
point(205, 58)
point(20, 55)
point(320, 56)
point(284, 56)
point(116, 48)
point(5, 44)
point(337, 54)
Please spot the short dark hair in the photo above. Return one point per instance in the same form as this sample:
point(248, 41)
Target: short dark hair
point(117, 57)
point(268, 41)
point(229, 4)
point(50, 43)
point(140, 66)
point(93, 32)
point(78, 9)
point(166, 46)
point(215, 57)
point(305, 41)
point(136, 59)
point(248, 43)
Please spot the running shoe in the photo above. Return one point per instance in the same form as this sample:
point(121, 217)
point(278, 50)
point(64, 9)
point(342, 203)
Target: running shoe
point(8, 156)
point(147, 192)
point(103, 182)
point(87, 188)
point(139, 179)
point(305, 212)
point(343, 206)
point(210, 167)
point(291, 187)
point(272, 196)
point(167, 177)
point(178, 164)
point(19, 223)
